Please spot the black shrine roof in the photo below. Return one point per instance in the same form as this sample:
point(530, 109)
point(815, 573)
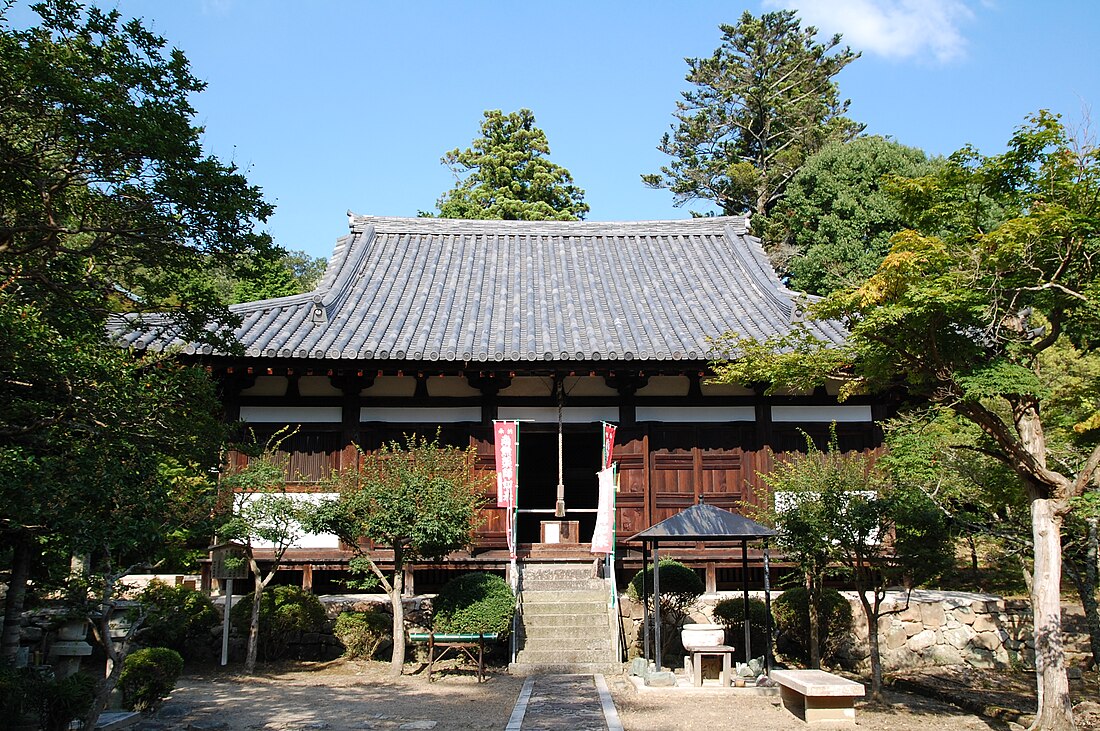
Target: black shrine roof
point(704, 522)
point(421, 289)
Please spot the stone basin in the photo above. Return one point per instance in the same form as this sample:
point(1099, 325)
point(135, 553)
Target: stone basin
point(702, 635)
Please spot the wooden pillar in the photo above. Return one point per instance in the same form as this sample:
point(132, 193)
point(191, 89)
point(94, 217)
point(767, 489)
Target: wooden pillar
point(351, 385)
point(307, 577)
point(711, 578)
point(490, 384)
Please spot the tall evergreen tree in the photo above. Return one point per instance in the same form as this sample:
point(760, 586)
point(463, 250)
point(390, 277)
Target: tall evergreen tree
point(760, 106)
point(832, 228)
point(505, 174)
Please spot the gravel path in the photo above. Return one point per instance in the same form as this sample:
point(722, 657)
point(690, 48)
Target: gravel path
point(346, 696)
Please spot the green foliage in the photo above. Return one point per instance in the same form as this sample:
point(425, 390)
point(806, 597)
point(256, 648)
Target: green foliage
point(833, 225)
point(730, 613)
point(999, 271)
point(508, 176)
point(795, 359)
point(96, 111)
point(421, 495)
point(178, 618)
point(56, 703)
point(760, 107)
point(474, 603)
point(284, 611)
point(100, 450)
point(148, 677)
point(680, 587)
point(277, 274)
point(262, 509)
point(362, 633)
point(17, 697)
point(791, 610)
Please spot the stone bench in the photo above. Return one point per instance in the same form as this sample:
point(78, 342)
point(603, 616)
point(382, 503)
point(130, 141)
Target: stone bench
point(818, 695)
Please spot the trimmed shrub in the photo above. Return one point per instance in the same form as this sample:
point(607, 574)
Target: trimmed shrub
point(730, 613)
point(792, 619)
point(284, 612)
point(680, 587)
point(179, 618)
point(474, 603)
point(148, 676)
point(18, 692)
point(362, 633)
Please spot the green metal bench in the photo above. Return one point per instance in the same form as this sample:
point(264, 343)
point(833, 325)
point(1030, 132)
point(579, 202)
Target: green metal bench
point(459, 644)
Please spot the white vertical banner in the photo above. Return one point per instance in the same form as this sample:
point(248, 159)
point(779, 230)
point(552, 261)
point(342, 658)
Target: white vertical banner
point(603, 536)
point(506, 447)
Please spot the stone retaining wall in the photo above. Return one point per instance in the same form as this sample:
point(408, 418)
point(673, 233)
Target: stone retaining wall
point(934, 628)
point(959, 628)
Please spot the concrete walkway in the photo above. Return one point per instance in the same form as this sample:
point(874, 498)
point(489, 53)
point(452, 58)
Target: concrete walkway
point(564, 703)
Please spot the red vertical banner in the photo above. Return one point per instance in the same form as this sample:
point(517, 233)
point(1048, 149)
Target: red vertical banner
point(603, 537)
point(608, 443)
point(506, 434)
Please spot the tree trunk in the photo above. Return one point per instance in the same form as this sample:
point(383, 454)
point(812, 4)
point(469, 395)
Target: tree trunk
point(1055, 711)
point(397, 660)
point(17, 593)
point(1092, 576)
point(254, 628)
point(870, 611)
point(813, 601)
point(115, 659)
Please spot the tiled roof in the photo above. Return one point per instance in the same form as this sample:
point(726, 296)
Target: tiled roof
point(441, 289)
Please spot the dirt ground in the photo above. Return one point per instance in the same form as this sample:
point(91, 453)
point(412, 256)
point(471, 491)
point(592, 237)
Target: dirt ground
point(343, 695)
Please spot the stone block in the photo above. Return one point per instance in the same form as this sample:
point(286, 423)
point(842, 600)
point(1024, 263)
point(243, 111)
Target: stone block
point(964, 614)
point(958, 637)
point(912, 628)
point(912, 614)
point(932, 615)
point(990, 641)
point(980, 658)
point(663, 679)
point(985, 623)
point(896, 638)
point(923, 639)
point(944, 655)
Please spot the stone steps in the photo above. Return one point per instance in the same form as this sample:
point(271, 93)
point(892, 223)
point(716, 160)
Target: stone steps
point(565, 627)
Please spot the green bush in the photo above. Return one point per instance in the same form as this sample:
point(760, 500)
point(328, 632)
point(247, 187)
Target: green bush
point(792, 620)
point(362, 633)
point(680, 587)
point(284, 611)
point(17, 694)
point(730, 613)
point(474, 603)
point(60, 702)
point(148, 676)
point(179, 618)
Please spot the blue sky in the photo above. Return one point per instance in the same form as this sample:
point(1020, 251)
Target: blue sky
point(332, 106)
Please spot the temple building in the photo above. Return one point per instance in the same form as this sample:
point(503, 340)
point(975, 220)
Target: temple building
point(422, 324)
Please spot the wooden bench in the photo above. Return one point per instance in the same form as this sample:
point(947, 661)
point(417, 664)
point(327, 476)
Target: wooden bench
point(697, 655)
point(459, 644)
point(817, 695)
